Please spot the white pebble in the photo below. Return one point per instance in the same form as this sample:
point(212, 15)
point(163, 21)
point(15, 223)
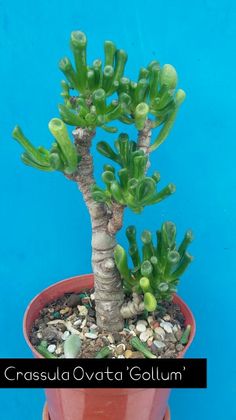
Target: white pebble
point(159, 344)
point(141, 328)
point(82, 310)
point(166, 317)
point(160, 332)
point(167, 326)
point(91, 335)
point(142, 321)
point(51, 348)
point(144, 336)
point(175, 328)
point(93, 327)
point(65, 335)
point(150, 319)
point(92, 296)
point(120, 356)
point(78, 322)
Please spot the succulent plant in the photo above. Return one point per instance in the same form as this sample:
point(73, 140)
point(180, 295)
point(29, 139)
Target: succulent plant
point(131, 188)
point(102, 95)
point(157, 269)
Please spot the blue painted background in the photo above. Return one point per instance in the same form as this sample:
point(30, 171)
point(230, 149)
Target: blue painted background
point(45, 232)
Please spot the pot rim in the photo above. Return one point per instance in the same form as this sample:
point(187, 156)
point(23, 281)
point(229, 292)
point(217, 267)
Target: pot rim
point(90, 278)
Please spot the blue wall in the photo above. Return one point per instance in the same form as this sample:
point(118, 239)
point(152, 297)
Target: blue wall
point(45, 232)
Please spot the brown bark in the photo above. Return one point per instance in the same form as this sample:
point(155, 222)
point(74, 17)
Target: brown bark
point(109, 295)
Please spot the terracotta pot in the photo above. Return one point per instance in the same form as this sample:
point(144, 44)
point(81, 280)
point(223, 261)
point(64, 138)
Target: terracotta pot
point(99, 404)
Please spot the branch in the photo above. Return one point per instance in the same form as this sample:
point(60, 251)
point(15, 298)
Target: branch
point(116, 221)
point(144, 139)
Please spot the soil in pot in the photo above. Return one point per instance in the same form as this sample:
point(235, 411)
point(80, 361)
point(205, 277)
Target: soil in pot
point(162, 332)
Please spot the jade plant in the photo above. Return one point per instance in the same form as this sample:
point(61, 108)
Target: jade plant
point(101, 95)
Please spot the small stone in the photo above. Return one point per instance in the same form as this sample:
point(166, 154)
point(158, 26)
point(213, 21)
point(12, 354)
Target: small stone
point(159, 344)
point(175, 329)
point(167, 326)
point(149, 341)
point(170, 338)
point(144, 336)
point(59, 350)
point(120, 356)
point(83, 311)
point(78, 322)
point(179, 347)
point(51, 333)
point(92, 296)
point(155, 325)
point(128, 354)
point(85, 300)
point(110, 338)
point(39, 335)
point(83, 323)
point(56, 315)
point(160, 332)
point(142, 321)
point(51, 348)
point(120, 349)
point(166, 317)
point(93, 327)
point(150, 319)
point(64, 311)
point(137, 355)
point(65, 335)
point(73, 300)
point(132, 327)
point(91, 335)
point(141, 328)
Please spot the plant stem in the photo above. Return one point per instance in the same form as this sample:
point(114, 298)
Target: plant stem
point(105, 223)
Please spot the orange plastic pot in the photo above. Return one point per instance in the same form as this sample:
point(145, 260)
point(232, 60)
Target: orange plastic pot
point(99, 404)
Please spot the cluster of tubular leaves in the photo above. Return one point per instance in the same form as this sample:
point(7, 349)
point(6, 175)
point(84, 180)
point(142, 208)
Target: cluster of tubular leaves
point(157, 269)
point(62, 155)
point(88, 88)
point(130, 186)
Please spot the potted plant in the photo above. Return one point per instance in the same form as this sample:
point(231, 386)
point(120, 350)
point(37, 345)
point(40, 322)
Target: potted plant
point(119, 311)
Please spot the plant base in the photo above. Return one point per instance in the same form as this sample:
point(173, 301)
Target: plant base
point(47, 417)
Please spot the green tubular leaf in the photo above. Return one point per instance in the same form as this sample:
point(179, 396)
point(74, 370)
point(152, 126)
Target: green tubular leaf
point(108, 75)
point(152, 64)
point(27, 160)
point(146, 237)
point(113, 114)
point(108, 168)
point(141, 91)
point(168, 76)
point(70, 118)
point(116, 192)
point(121, 261)
point(97, 67)
point(65, 90)
point(109, 129)
point(138, 345)
point(108, 177)
point(67, 69)
point(169, 234)
point(145, 189)
point(123, 177)
point(183, 264)
point(56, 162)
point(173, 258)
point(157, 197)
point(125, 100)
point(109, 50)
point(146, 269)
point(105, 149)
point(126, 120)
point(156, 176)
point(139, 166)
point(99, 195)
point(59, 131)
point(91, 80)
point(145, 285)
point(91, 119)
point(131, 235)
point(150, 302)
point(99, 100)
point(35, 155)
point(140, 115)
point(188, 238)
point(143, 73)
point(180, 97)
point(165, 130)
point(132, 186)
point(185, 337)
point(163, 287)
point(120, 61)
point(124, 85)
point(78, 46)
point(134, 254)
point(123, 148)
point(154, 79)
